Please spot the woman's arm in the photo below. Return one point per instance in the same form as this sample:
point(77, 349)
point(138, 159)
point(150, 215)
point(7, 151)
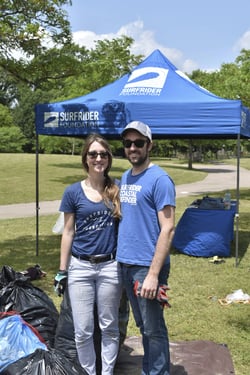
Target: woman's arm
point(67, 239)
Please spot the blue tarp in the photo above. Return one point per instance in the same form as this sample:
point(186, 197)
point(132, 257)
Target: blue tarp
point(17, 340)
point(205, 232)
point(155, 92)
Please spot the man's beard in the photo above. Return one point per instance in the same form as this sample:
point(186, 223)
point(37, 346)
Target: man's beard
point(140, 161)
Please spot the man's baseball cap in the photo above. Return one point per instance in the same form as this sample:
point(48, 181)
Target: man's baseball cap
point(140, 127)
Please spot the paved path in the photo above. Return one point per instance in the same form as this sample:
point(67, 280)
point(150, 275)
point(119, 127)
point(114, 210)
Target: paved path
point(220, 177)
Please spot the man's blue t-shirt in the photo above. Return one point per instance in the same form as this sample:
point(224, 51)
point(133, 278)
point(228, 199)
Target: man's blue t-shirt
point(95, 226)
point(142, 197)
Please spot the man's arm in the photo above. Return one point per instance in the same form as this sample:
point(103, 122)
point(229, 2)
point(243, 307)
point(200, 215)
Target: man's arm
point(166, 219)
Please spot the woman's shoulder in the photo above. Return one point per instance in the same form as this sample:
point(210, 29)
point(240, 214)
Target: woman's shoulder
point(73, 187)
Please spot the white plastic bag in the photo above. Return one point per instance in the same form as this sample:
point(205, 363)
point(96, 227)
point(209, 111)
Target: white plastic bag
point(238, 296)
point(59, 225)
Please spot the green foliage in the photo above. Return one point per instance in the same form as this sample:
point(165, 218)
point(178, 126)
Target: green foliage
point(8, 89)
point(24, 25)
point(110, 60)
point(61, 73)
point(6, 118)
point(163, 148)
point(231, 81)
point(59, 145)
point(12, 139)
point(50, 69)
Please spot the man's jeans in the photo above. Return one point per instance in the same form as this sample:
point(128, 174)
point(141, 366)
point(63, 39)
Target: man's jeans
point(149, 318)
point(99, 284)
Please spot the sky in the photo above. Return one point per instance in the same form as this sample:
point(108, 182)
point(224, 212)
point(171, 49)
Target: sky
point(192, 34)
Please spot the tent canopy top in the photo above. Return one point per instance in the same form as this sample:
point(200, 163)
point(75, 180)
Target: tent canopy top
point(155, 92)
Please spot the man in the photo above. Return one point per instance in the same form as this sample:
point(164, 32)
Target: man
point(146, 231)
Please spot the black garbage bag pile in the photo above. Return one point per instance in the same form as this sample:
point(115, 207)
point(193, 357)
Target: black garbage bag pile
point(19, 296)
point(43, 362)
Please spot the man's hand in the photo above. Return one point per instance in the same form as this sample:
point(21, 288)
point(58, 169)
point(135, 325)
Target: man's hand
point(161, 295)
point(60, 282)
point(149, 286)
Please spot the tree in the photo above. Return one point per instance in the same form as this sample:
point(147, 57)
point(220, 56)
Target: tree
point(76, 72)
point(24, 114)
point(8, 88)
point(237, 81)
point(6, 118)
point(26, 27)
point(60, 145)
point(231, 81)
point(108, 61)
point(12, 139)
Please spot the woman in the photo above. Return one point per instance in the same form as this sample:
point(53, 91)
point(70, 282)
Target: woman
point(91, 214)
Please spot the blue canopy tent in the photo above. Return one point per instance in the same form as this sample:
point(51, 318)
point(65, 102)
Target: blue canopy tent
point(155, 92)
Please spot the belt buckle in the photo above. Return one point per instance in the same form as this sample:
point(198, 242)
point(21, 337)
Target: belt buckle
point(92, 259)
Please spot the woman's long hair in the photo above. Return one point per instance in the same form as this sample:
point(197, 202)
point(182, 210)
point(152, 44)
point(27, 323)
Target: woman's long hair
point(111, 190)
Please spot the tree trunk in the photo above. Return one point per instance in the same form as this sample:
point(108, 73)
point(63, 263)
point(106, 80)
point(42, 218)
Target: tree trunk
point(190, 155)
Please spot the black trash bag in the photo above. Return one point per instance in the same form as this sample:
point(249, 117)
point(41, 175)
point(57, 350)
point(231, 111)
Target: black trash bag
point(64, 337)
point(6, 276)
point(18, 294)
point(43, 362)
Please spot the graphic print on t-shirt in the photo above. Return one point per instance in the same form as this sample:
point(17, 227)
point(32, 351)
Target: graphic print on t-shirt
point(128, 193)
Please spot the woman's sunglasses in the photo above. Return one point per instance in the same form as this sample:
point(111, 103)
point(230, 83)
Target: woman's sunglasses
point(94, 154)
point(139, 143)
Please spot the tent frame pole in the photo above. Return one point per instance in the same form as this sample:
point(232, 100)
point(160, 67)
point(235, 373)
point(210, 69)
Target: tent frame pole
point(237, 203)
point(37, 195)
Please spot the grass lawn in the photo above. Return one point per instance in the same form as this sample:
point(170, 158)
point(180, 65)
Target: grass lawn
point(196, 284)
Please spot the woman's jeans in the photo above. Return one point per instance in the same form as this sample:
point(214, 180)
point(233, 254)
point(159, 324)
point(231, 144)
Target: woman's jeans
point(149, 318)
point(90, 283)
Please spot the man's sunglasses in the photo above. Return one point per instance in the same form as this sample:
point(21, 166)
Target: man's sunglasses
point(139, 143)
point(94, 154)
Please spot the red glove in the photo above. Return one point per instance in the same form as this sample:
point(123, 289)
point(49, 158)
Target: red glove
point(161, 295)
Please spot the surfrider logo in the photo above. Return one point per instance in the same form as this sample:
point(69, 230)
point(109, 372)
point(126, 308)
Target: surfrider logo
point(51, 119)
point(71, 119)
point(145, 81)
